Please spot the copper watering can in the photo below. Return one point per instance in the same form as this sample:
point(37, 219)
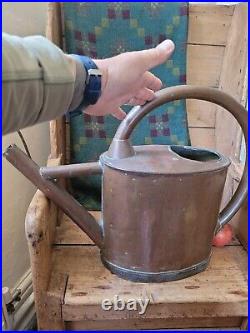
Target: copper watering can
point(160, 207)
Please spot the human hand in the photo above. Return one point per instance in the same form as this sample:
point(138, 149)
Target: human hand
point(126, 79)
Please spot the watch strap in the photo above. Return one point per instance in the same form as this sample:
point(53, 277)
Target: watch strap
point(93, 82)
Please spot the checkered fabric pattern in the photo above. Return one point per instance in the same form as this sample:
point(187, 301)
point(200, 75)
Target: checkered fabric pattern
point(105, 29)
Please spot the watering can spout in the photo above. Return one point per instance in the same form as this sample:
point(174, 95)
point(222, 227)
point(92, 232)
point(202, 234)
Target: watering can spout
point(57, 194)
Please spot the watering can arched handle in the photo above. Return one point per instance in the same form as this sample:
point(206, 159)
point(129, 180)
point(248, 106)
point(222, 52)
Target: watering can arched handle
point(121, 147)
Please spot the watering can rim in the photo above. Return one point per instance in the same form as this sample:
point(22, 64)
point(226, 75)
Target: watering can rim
point(163, 160)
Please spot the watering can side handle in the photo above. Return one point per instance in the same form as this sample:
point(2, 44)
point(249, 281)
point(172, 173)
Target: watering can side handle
point(192, 92)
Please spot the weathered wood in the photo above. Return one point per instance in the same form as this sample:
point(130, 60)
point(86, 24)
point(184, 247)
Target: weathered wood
point(154, 324)
point(69, 233)
point(232, 78)
point(202, 137)
point(209, 24)
point(54, 23)
point(232, 81)
point(52, 299)
point(203, 68)
point(89, 283)
point(200, 113)
point(204, 63)
point(57, 126)
point(57, 138)
point(40, 226)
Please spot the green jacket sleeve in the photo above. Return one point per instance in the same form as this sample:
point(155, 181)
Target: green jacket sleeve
point(39, 82)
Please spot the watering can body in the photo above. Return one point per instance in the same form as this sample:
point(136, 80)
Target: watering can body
point(160, 204)
point(160, 211)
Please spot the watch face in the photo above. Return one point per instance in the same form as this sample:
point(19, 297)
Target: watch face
point(95, 71)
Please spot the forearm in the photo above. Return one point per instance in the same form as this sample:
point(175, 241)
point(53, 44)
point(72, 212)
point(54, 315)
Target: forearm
point(40, 82)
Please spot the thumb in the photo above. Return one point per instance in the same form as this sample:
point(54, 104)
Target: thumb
point(156, 56)
point(119, 114)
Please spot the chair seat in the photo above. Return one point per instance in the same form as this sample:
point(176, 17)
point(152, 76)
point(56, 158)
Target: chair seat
point(216, 297)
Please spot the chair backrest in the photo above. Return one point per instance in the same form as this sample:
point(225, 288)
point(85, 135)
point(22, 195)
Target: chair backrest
point(102, 30)
point(216, 57)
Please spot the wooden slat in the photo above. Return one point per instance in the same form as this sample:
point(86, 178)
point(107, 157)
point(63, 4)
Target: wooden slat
point(52, 299)
point(58, 138)
point(202, 137)
point(40, 221)
point(209, 24)
point(40, 226)
point(232, 81)
point(232, 323)
point(200, 113)
point(204, 64)
point(219, 291)
point(54, 23)
point(57, 126)
point(68, 233)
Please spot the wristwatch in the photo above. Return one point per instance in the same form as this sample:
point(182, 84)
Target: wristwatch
point(93, 82)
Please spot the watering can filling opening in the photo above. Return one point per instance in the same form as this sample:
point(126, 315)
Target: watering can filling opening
point(195, 154)
point(167, 160)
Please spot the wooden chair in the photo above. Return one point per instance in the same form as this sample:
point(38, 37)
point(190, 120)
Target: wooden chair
point(69, 280)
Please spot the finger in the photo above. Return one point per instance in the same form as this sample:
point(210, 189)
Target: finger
point(156, 56)
point(151, 82)
point(145, 94)
point(119, 114)
point(136, 101)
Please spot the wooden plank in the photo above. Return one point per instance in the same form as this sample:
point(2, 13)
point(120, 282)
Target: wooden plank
point(202, 137)
point(219, 291)
point(203, 68)
point(209, 24)
point(157, 311)
point(200, 113)
point(154, 324)
point(58, 138)
point(54, 23)
point(40, 221)
point(68, 233)
point(57, 126)
point(40, 226)
point(232, 81)
point(204, 64)
point(53, 298)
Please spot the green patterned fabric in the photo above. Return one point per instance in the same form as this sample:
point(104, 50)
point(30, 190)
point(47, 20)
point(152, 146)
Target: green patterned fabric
point(105, 29)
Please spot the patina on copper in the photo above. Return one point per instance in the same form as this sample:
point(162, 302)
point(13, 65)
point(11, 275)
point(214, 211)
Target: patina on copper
point(160, 203)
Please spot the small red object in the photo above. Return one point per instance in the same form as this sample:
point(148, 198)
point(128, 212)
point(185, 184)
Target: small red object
point(224, 236)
